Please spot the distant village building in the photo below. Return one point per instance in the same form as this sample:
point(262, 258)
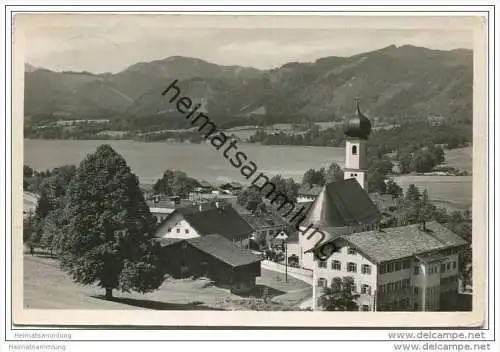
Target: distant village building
point(265, 227)
point(190, 223)
point(308, 193)
point(232, 187)
point(215, 257)
point(161, 206)
point(204, 187)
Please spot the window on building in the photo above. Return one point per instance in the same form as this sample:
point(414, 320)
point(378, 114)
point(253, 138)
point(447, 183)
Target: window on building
point(416, 270)
point(178, 230)
point(352, 267)
point(443, 268)
point(406, 264)
point(365, 308)
point(352, 251)
point(382, 269)
point(322, 282)
point(322, 264)
point(336, 265)
point(415, 291)
point(366, 289)
point(354, 150)
point(353, 287)
point(397, 266)
point(169, 229)
point(454, 265)
point(448, 266)
point(366, 269)
point(398, 285)
point(390, 267)
point(406, 283)
point(186, 231)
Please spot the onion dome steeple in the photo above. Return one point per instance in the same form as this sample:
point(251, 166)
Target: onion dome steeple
point(358, 126)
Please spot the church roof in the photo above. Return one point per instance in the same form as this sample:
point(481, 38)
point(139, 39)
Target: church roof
point(342, 203)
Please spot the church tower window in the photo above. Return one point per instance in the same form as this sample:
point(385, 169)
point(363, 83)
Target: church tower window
point(354, 150)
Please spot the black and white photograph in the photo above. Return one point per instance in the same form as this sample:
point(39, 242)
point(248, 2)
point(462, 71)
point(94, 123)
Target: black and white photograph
point(232, 163)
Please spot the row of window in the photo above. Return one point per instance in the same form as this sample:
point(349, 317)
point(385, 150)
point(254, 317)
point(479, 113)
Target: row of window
point(434, 269)
point(351, 267)
point(448, 266)
point(365, 289)
point(178, 230)
point(270, 232)
point(395, 286)
point(394, 266)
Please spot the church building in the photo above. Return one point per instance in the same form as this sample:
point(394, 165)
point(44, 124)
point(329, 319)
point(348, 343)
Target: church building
point(405, 268)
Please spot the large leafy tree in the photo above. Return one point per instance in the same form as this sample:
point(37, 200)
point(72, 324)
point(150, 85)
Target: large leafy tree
point(108, 237)
point(340, 296)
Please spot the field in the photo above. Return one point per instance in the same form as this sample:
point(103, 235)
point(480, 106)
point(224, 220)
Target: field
point(460, 158)
point(47, 287)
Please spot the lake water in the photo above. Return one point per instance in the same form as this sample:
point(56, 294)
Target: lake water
point(202, 161)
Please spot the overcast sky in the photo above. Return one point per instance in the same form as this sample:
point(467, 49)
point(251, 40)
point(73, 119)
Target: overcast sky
point(111, 43)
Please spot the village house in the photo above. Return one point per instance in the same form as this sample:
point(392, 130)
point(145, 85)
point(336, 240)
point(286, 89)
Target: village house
point(232, 187)
point(308, 193)
point(161, 205)
point(190, 223)
point(265, 227)
point(401, 268)
point(215, 257)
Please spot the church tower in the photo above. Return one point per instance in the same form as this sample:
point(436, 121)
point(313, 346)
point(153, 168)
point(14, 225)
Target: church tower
point(357, 129)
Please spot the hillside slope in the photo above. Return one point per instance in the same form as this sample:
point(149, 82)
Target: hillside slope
point(393, 82)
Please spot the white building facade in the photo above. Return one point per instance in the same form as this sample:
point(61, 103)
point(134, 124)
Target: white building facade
point(427, 281)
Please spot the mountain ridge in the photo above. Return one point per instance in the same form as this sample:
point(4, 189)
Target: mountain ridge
point(393, 82)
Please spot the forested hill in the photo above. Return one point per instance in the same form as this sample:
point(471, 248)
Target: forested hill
point(394, 82)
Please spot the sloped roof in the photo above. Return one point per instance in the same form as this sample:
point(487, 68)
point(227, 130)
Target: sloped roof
point(237, 206)
point(224, 250)
point(342, 203)
point(404, 241)
point(224, 221)
point(167, 202)
point(166, 241)
point(258, 222)
point(383, 201)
